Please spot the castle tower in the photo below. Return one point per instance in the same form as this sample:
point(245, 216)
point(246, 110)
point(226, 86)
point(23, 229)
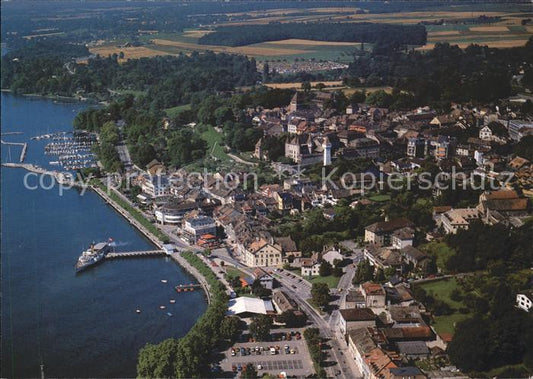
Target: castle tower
point(295, 102)
point(310, 144)
point(258, 153)
point(327, 151)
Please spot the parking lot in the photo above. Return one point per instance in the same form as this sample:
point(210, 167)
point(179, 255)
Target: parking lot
point(273, 357)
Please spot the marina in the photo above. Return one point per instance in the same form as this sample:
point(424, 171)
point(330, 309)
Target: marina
point(74, 152)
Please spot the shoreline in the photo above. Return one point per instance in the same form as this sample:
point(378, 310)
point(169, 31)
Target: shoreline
point(58, 98)
point(153, 239)
point(58, 176)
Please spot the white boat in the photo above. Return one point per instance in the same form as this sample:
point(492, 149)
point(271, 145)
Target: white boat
point(138, 310)
point(164, 281)
point(172, 301)
point(162, 307)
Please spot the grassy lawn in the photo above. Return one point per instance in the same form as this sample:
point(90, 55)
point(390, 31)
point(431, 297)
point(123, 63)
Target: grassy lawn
point(380, 198)
point(130, 92)
point(214, 143)
point(440, 251)
point(441, 290)
point(446, 324)
point(172, 112)
point(330, 280)
point(232, 271)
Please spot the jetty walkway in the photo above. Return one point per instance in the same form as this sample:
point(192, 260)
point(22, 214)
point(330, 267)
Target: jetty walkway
point(24, 148)
point(133, 254)
point(64, 178)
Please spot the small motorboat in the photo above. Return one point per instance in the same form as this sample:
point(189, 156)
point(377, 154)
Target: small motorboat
point(172, 301)
point(164, 281)
point(169, 314)
point(162, 307)
point(138, 311)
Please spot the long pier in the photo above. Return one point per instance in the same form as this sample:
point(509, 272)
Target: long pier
point(24, 148)
point(11, 133)
point(134, 254)
point(64, 178)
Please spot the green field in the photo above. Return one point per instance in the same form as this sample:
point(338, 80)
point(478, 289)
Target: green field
point(441, 290)
point(232, 271)
point(214, 141)
point(330, 280)
point(173, 112)
point(380, 198)
point(440, 251)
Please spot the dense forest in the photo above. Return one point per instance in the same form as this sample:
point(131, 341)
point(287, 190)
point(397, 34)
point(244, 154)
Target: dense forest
point(446, 73)
point(167, 80)
point(392, 34)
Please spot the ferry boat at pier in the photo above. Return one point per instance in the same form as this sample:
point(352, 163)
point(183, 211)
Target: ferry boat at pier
point(94, 254)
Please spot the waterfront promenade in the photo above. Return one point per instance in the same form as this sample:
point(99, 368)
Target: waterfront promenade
point(176, 256)
point(62, 178)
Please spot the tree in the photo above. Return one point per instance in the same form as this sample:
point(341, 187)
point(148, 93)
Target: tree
point(249, 372)
point(364, 272)
point(235, 282)
point(266, 72)
point(337, 270)
point(158, 361)
point(325, 269)
point(229, 328)
point(320, 294)
point(260, 327)
point(260, 291)
point(380, 276)
point(468, 349)
point(306, 86)
point(292, 319)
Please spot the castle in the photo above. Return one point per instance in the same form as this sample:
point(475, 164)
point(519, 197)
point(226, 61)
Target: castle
point(305, 150)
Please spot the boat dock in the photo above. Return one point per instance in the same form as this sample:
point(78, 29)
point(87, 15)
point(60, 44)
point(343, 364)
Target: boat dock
point(24, 148)
point(135, 254)
point(11, 133)
point(187, 287)
point(64, 178)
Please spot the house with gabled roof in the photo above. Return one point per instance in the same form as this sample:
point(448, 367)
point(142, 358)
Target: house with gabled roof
point(380, 233)
point(261, 253)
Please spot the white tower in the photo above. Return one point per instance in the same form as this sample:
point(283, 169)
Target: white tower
point(326, 145)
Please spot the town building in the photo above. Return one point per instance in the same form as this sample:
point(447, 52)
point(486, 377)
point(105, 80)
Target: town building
point(374, 294)
point(283, 302)
point(355, 318)
point(245, 307)
point(380, 233)
point(524, 300)
point(261, 253)
point(198, 225)
point(155, 186)
point(310, 266)
point(458, 218)
point(266, 280)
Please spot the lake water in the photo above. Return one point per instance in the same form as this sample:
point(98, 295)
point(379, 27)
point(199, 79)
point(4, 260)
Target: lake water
point(81, 325)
